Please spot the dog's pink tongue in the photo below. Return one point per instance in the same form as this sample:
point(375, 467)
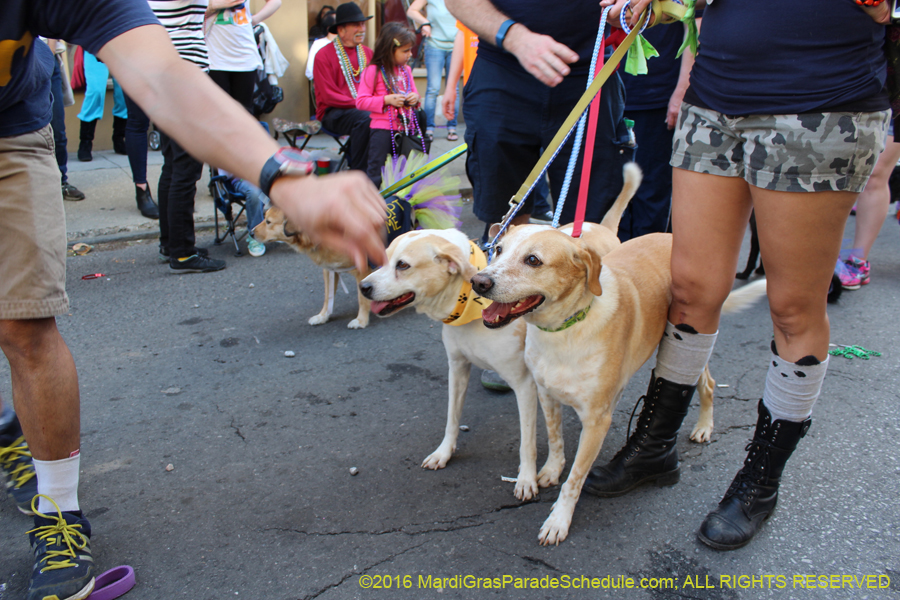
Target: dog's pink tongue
point(496, 311)
point(378, 306)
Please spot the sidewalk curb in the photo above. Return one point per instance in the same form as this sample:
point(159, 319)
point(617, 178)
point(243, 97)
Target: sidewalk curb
point(128, 236)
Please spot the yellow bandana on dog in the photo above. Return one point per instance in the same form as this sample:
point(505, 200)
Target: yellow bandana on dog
point(469, 305)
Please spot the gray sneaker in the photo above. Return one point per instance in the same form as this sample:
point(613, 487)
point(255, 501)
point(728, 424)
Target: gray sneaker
point(72, 193)
point(492, 381)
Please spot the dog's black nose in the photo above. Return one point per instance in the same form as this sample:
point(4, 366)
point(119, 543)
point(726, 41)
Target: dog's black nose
point(482, 284)
point(366, 289)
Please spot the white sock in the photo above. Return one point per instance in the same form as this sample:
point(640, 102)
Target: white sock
point(58, 479)
point(791, 389)
point(682, 355)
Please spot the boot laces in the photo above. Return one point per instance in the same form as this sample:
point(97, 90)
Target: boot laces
point(643, 423)
point(752, 474)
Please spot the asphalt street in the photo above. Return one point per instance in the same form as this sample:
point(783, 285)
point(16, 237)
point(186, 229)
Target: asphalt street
point(218, 467)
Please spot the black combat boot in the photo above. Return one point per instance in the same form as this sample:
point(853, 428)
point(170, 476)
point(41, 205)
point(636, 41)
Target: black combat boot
point(752, 495)
point(86, 141)
point(118, 136)
point(650, 454)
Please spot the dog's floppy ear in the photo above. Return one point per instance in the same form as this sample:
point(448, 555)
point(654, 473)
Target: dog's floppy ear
point(592, 265)
point(286, 229)
point(457, 261)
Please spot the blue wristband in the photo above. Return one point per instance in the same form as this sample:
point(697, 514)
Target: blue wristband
point(501, 33)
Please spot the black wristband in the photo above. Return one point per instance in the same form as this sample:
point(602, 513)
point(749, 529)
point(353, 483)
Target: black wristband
point(419, 30)
point(284, 162)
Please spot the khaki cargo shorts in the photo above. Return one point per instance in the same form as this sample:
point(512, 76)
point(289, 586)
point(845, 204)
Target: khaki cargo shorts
point(811, 152)
point(32, 229)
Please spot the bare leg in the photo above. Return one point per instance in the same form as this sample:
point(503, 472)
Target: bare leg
point(874, 201)
point(45, 386)
point(800, 240)
point(709, 217)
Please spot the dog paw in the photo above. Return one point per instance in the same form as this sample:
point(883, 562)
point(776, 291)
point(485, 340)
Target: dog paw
point(526, 489)
point(550, 474)
point(701, 433)
point(355, 324)
point(554, 530)
point(437, 459)
point(318, 320)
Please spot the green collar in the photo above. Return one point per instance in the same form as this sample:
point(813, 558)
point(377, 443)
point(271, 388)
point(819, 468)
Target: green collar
point(581, 315)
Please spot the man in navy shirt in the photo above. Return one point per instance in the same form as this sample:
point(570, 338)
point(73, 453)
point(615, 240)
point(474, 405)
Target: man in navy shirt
point(342, 211)
point(531, 70)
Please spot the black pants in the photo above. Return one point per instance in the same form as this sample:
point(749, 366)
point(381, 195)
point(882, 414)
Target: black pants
point(380, 148)
point(58, 121)
point(510, 116)
point(355, 123)
point(238, 84)
point(176, 191)
point(136, 140)
point(649, 210)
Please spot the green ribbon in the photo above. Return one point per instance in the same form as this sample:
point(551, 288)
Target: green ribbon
point(852, 352)
point(640, 52)
point(636, 61)
point(691, 39)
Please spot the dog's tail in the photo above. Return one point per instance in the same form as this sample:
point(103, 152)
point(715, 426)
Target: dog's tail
point(632, 174)
point(744, 296)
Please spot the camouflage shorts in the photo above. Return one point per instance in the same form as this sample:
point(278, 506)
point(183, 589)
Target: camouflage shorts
point(812, 152)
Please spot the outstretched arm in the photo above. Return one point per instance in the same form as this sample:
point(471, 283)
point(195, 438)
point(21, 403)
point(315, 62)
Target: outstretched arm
point(344, 211)
point(542, 56)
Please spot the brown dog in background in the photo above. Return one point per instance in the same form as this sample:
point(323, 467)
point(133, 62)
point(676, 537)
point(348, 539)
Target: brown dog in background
point(276, 228)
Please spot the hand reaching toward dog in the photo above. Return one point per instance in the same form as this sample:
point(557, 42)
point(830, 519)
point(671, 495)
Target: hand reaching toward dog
point(343, 212)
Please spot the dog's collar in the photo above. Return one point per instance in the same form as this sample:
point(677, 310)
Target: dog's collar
point(581, 315)
point(468, 305)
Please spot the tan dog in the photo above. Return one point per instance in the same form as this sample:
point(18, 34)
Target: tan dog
point(592, 322)
point(429, 270)
point(276, 228)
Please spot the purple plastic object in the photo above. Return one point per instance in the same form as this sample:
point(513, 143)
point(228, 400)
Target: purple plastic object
point(113, 583)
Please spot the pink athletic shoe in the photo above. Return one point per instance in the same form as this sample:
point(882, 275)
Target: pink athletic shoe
point(861, 267)
point(848, 275)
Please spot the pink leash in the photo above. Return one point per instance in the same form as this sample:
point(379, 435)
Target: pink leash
point(593, 115)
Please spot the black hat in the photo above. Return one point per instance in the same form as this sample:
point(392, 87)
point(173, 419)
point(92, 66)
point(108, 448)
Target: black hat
point(349, 12)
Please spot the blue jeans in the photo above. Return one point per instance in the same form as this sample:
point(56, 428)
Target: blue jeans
point(255, 202)
point(437, 63)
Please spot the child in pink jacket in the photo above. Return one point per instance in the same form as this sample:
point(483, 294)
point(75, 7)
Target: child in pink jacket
point(387, 90)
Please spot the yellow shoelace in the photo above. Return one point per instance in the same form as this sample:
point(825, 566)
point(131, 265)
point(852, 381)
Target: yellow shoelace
point(8, 457)
point(64, 534)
